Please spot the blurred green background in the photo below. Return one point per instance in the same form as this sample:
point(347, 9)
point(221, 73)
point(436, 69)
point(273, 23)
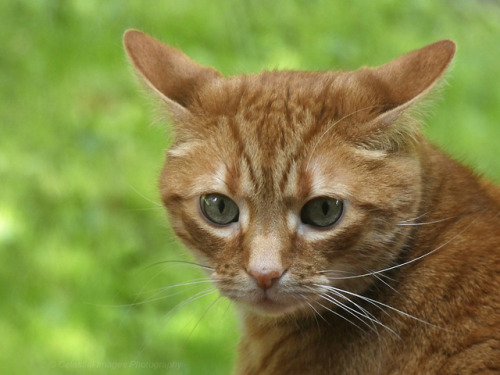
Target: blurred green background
point(81, 226)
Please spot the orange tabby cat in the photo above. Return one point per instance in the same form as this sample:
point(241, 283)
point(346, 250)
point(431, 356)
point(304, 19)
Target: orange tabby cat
point(348, 242)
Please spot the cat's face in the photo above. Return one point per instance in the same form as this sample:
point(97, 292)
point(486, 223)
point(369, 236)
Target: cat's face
point(286, 184)
point(279, 202)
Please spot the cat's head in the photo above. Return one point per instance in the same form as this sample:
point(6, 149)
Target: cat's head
point(289, 183)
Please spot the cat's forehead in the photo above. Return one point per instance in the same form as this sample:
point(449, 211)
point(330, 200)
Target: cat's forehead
point(284, 103)
point(286, 92)
point(272, 114)
point(272, 134)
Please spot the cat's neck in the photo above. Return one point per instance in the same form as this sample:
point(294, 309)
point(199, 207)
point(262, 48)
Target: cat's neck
point(453, 199)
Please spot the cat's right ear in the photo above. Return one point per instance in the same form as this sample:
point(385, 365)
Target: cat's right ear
point(402, 83)
point(167, 71)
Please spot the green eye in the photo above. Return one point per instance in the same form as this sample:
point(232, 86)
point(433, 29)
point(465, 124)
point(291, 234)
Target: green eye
point(219, 209)
point(321, 211)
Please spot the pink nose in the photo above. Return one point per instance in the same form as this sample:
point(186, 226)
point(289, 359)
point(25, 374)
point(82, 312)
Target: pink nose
point(266, 278)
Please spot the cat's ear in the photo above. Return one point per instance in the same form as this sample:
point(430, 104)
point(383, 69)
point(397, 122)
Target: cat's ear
point(405, 81)
point(167, 71)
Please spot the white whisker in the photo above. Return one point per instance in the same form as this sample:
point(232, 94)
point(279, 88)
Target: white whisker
point(404, 223)
point(157, 204)
point(378, 304)
point(182, 262)
point(372, 273)
point(353, 312)
point(336, 271)
point(365, 313)
point(203, 293)
point(166, 288)
point(340, 316)
point(343, 306)
point(428, 253)
point(416, 218)
point(316, 314)
point(201, 317)
point(379, 278)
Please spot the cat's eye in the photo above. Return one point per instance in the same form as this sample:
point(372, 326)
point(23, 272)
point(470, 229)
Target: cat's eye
point(322, 211)
point(219, 209)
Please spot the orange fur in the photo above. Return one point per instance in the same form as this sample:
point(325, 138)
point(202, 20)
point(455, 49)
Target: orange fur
point(405, 281)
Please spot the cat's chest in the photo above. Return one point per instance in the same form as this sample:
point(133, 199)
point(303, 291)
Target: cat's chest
point(311, 348)
point(322, 355)
point(384, 342)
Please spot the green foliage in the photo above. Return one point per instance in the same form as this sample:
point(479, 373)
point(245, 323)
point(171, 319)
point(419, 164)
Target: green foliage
point(81, 225)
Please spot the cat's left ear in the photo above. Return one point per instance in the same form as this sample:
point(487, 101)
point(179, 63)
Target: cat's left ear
point(406, 80)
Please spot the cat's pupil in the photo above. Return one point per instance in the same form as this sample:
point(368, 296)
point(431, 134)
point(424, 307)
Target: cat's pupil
point(325, 207)
point(222, 205)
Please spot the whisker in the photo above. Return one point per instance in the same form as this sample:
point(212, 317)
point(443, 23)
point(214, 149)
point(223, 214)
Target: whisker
point(367, 314)
point(303, 298)
point(166, 288)
point(379, 278)
point(227, 307)
point(186, 283)
point(363, 310)
point(153, 299)
point(372, 273)
point(201, 317)
point(416, 218)
point(356, 314)
point(344, 307)
point(379, 304)
point(404, 223)
point(197, 296)
point(144, 197)
point(428, 253)
point(145, 209)
point(336, 271)
point(315, 314)
point(340, 316)
point(387, 277)
point(157, 292)
point(184, 262)
point(142, 291)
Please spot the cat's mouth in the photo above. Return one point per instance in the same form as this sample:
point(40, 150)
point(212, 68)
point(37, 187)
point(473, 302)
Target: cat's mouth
point(265, 302)
point(270, 306)
point(271, 302)
point(283, 297)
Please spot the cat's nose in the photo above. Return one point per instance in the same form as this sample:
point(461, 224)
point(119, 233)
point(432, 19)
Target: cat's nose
point(265, 278)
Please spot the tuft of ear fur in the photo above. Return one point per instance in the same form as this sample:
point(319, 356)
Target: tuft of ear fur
point(167, 71)
point(405, 81)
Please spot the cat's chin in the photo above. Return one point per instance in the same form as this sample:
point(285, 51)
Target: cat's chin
point(268, 307)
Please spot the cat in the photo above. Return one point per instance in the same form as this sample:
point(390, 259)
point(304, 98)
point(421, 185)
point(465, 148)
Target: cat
point(348, 242)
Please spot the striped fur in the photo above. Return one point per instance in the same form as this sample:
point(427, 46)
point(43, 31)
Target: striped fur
point(405, 282)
